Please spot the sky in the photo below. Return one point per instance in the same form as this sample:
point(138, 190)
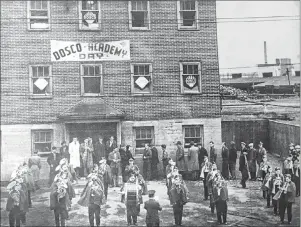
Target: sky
point(242, 44)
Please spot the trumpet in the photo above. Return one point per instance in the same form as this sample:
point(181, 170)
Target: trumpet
point(281, 189)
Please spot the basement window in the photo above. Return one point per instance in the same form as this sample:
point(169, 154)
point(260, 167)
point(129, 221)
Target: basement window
point(38, 15)
point(187, 14)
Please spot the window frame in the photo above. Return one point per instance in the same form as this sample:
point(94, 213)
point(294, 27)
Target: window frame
point(141, 149)
point(179, 20)
point(31, 81)
point(80, 24)
point(267, 73)
point(297, 73)
point(201, 128)
point(133, 81)
point(33, 131)
point(199, 74)
point(82, 76)
point(29, 17)
point(148, 27)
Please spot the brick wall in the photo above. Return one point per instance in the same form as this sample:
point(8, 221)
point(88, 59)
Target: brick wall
point(163, 46)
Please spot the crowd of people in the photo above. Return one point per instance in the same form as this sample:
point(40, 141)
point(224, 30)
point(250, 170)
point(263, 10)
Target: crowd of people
point(105, 165)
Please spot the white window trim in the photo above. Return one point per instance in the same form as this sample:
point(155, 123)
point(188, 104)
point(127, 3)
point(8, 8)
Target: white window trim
point(29, 17)
point(140, 149)
point(148, 27)
point(132, 79)
point(33, 143)
point(82, 80)
point(193, 126)
point(180, 27)
point(80, 24)
point(31, 82)
point(200, 77)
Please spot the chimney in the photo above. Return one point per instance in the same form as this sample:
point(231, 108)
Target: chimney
point(265, 53)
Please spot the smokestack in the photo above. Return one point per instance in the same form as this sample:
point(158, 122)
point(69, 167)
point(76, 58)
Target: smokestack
point(265, 53)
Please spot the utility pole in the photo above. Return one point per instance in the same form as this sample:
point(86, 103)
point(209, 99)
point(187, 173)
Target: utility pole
point(288, 76)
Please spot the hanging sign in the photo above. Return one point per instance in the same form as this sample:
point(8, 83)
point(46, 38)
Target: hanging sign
point(101, 51)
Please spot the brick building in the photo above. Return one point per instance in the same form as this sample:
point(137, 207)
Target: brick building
point(168, 90)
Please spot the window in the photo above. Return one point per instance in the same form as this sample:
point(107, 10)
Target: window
point(38, 15)
point(40, 80)
point(89, 13)
point(187, 14)
point(297, 73)
point(236, 75)
point(190, 77)
point(193, 133)
point(270, 74)
point(141, 78)
point(91, 80)
point(139, 15)
point(144, 135)
point(42, 141)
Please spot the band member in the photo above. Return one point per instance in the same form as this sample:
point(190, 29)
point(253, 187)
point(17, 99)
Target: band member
point(28, 180)
point(252, 161)
point(179, 197)
point(131, 168)
point(110, 146)
point(212, 177)
point(132, 197)
point(53, 161)
point(34, 163)
point(277, 180)
point(92, 197)
point(291, 148)
point(104, 173)
point(243, 165)
point(205, 169)
point(213, 154)
point(193, 161)
point(232, 160)
point(296, 176)
point(288, 165)
point(165, 159)
point(180, 160)
point(225, 163)
point(125, 155)
point(86, 151)
point(99, 150)
point(267, 186)
point(202, 153)
point(297, 152)
point(287, 198)
point(115, 159)
point(261, 154)
point(263, 168)
point(152, 207)
point(220, 194)
point(147, 158)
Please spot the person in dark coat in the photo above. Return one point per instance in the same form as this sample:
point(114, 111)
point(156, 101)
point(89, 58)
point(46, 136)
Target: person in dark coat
point(296, 176)
point(147, 161)
point(110, 146)
point(125, 155)
point(288, 165)
point(180, 161)
point(277, 180)
point(213, 154)
point(152, 207)
point(64, 153)
point(99, 150)
point(225, 163)
point(165, 159)
point(131, 169)
point(252, 161)
point(53, 161)
point(243, 165)
point(232, 160)
point(287, 199)
point(205, 169)
point(261, 153)
point(105, 174)
point(193, 161)
point(154, 162)
point(220, 194)
point(202, 153)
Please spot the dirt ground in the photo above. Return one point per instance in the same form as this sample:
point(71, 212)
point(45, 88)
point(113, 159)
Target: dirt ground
point(246, 207)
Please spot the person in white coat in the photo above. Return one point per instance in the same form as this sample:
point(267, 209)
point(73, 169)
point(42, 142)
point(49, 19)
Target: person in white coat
point(74, 155)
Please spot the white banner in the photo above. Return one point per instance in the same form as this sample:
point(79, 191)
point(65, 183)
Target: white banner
point(102, 51)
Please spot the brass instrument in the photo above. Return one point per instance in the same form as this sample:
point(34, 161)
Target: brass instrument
point(278, 194)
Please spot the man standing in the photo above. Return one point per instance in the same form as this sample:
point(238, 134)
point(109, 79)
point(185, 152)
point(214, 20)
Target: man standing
point(213, 154)
point(74, 155)
point(147, 158)
point(165, 159)
point(243, 164)
point(260, 154)
point(104, 173)
point(64, 153)
point(100, 150)
point(225, 163)
point(86, 154)
point(154, 162)
point(205, 169)
point(232, 160)
point(202, 153)
point(125, 155)
point(193, 163)
point(53, 161)
point(180, 161)
point(34, 163)
point(152, 207)
point(115, 159)
point(288, 165)
point(252, 161)
point(110, 146)
point(220, 194)
point(296, 176)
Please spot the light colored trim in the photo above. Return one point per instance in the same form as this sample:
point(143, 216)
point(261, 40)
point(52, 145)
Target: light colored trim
point(200, 77)
point(80, 24)
point(31, 82)
point(37, 17)
point(148, 27)
point(41, 130)
point(196, 17)
point(132, 79)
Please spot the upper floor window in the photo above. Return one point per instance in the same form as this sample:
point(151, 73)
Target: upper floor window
point(141, 78)
point(190, 77)
point(40, 80)
point(91, 80)
point(38, 15)
point(89, 15)
point(139, 15)
point(187, 14)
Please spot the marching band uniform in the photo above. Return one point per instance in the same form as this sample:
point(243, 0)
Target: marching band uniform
point(211, 178)
point(152, 207)
point(104, 173)
point(263, 169)
point(277, 180)
point(131, 168)
point(296, 176)
point(287, 198)
point(267, 185)
point(288, 166)
point(220, 194)
point(205, 169)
